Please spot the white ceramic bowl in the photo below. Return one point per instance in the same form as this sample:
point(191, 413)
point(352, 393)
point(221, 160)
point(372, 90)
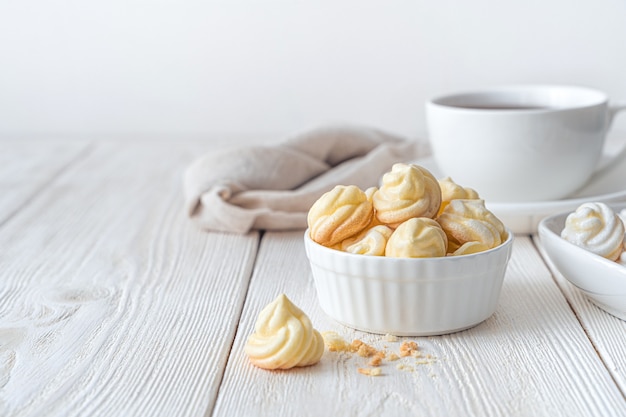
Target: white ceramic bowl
point(408, 296)
point(601, 280)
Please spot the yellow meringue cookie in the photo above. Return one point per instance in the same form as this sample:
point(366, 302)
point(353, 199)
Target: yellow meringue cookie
point(596, 228)
point(284, 337)
point(450, 190)
point(469, 247)
point(470, 221)
point(419, 237)
point(369, 193)
point(622, 216)
point(407, 191)
point(338, 214)
point(369, 242)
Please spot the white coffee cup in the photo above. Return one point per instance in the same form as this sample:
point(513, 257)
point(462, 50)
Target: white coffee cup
point(521, 143)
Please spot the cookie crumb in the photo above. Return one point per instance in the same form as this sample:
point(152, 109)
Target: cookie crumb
point(363, 349)
point(403, 367)
point(334, 342)
point(409, 349)
point(370, 371)
point(377, 359)
point(390, 338)
point(426, 360)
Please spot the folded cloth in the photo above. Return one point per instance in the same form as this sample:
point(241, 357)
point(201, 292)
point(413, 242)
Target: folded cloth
point(273, 187)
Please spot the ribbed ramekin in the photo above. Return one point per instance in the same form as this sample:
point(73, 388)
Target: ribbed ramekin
point(408, 296)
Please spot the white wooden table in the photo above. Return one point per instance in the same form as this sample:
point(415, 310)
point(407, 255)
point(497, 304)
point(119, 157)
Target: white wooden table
point(112, 303)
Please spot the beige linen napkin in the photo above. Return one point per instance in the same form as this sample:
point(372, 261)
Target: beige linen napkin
point(273, 187)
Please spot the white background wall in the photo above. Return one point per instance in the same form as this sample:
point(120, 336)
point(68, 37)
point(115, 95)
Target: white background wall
point(176, 67)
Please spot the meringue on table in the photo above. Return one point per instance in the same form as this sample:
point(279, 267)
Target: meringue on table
point(284, 337)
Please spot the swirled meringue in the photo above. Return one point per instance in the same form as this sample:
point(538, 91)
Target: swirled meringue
point(407, 191)
point(596, 228)
point(469, 247)
point(371, 241)
point(622, 215)
point(338, 214)
point(369, 193)
point(284, 337)
point(419, 237)
point(470, 221)
point(450, 190)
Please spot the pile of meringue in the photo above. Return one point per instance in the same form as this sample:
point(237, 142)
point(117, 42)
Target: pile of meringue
point(596, 228)
point(411, 215)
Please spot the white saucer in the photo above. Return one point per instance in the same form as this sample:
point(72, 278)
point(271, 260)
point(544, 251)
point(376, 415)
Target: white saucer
point(607, 186)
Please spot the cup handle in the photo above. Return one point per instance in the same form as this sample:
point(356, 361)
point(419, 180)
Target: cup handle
point(608, 161)
point(615, 108)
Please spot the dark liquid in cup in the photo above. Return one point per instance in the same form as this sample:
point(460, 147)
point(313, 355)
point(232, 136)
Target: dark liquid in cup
point(499, 107)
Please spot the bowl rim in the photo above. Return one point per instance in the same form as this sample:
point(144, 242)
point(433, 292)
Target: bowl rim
point(372, 258)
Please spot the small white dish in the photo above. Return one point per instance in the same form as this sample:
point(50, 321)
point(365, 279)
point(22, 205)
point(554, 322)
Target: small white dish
point(523, 217)
point(601, 280)
point(408, 296)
